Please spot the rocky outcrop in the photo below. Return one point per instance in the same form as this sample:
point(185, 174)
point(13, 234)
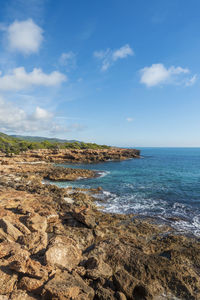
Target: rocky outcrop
point(78, 156)
point(69, 174)
point(56, 244)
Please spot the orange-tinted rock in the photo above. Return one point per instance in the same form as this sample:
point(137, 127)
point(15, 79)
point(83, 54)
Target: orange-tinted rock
point(21, 263)
point(97, 268)
point(85, 217)
point(31, 285)
point(34, 242)
point(78, 155)
point(7, 280)
point(36, 223)
point(67, 286)
point(23, 295)
point(8, 229)
point(63, 253)
point(125, 283)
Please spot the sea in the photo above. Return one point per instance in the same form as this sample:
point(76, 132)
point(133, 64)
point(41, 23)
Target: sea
point(164, 184)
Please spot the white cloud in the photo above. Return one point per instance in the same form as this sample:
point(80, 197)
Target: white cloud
point(108, 57)
point(122, 52)
point(129, 119)
point(16, 120)
point(19, 79)
point(68, 59)
point(42, 114)
point(25, 36)
point(191, 80)
point(157, 74)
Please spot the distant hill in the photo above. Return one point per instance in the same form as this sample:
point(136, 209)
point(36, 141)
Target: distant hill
point(18, 143)
point(40, 139)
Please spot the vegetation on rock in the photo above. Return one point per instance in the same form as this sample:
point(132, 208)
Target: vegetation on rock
point(9, 144)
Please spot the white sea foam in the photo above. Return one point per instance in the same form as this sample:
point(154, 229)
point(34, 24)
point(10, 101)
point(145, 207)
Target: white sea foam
point(102, 173)
point(178, 215)
point(107, 193)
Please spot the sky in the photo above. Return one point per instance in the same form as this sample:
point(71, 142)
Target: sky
point(116, 72)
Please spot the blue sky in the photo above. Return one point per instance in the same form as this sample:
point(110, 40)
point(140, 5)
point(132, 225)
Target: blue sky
point(118, 72)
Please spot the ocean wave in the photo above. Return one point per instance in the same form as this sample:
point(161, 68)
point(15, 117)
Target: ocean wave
point(177, 215)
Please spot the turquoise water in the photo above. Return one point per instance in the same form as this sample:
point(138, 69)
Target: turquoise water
point(165, 183)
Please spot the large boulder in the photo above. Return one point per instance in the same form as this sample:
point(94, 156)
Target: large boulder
point(63, 253)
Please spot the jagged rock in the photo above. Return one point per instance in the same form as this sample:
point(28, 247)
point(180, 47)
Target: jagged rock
point(21, 263)
point(9, 230)
point(31, 285)
point(125, 283)
point(34, 242)
point(148, 261)
point(84, 216)
point(104, 294)
point(65, 174)
point(63, 253)
point(8, 248)
point(7, 280)
point(36, 223)
point(97, 268)
point(78, 155)
point(22, 228)
point(67, 286)
point(22, 295)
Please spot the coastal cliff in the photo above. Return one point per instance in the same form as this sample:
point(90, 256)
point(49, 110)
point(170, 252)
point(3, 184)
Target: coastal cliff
point(56, 244)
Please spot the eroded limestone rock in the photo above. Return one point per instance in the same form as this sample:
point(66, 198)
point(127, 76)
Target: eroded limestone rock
point(63, 253)
point(67, 286)
point(9, 230)
point(34, 242)
point(36, 223)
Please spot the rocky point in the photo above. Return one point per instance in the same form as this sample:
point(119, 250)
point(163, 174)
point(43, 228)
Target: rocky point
point(56, 244)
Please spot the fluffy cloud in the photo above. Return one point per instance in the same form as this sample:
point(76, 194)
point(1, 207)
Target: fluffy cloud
point(16, 120)
point(19, 79)
point(108, 57)
point(42, 114)
point(25, 36)
point(158, 74)
point(68, 59)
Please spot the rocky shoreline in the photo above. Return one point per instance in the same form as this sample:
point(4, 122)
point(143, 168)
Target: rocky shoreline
point(78, 155)
point(56, 244)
